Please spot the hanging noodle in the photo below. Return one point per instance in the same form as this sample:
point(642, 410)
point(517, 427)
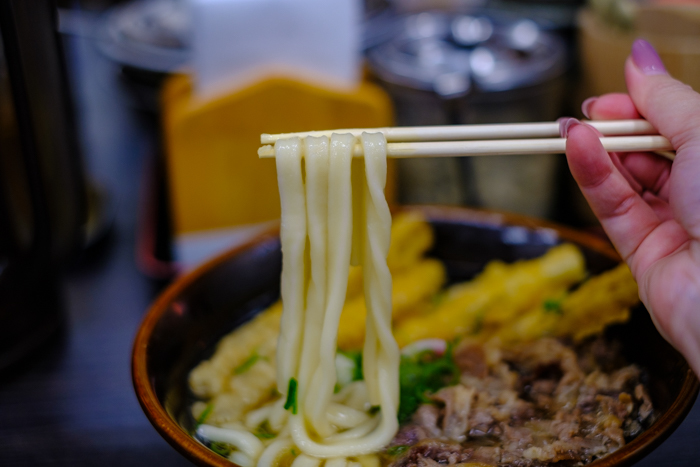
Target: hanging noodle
point(307, 345)
point(334, 213)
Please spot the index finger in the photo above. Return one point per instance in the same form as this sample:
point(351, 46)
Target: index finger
point(646, 169)
point(632, 225)
point(614, 106)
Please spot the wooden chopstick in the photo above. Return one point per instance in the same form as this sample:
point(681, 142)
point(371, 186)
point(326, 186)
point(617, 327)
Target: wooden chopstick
point(479, 132)
point(508, 147)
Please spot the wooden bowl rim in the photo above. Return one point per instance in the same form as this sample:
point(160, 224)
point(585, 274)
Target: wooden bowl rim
point(198, 453)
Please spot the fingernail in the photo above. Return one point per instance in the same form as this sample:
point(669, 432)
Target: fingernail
point(566, 124)
point(645, 57)
point(586, 106)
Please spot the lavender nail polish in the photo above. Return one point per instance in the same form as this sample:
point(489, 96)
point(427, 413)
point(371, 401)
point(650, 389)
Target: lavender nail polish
point(565, 124)
point(586, 106)
point(645, 57)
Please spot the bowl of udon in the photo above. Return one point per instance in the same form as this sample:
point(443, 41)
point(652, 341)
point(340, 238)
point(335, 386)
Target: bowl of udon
point(521, 343)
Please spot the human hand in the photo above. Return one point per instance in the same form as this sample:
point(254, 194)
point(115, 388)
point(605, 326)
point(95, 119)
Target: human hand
point(648, 206)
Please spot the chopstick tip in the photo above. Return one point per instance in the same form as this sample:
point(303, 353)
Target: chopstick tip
point(266, 151)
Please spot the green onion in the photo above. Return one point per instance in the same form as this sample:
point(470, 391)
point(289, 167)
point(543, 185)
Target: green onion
point(355, 356)
point(291, 402)
point(245, 366)
point(264, 431)
point(423, 374)
point(397, 450)
point(553, 306)
point(205, 414)
point(221, 449)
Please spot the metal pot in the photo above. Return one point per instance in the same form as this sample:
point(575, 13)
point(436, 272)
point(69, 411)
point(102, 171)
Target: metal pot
point(452, 69)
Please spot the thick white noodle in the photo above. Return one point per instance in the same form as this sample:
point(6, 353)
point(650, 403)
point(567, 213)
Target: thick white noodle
point(354, 395)
point(303, 460)
point(293, 239)
point(339, 234)
point(254, 418)
point(237, 457)
point(321, 235)
point(278, 416)
point(337, 462)
point(316, 160)
point(383, 369)
point(356, 432)
point(345, 417)
point(275, 451)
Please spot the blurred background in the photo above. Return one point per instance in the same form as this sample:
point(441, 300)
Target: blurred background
point(129, 133)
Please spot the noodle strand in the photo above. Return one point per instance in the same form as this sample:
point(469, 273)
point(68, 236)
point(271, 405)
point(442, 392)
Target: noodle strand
point(335, 217)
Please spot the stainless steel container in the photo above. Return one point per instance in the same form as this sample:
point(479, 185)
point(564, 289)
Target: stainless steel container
point(450, 69)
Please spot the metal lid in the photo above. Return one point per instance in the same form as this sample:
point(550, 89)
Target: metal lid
point(451, 55)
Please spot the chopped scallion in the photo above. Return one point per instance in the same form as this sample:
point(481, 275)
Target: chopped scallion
point(221, 449)
point(397, 450)
point(552, 306)
point(291, 402)
point(205, 414)
point(245, 366)
point(264, 431)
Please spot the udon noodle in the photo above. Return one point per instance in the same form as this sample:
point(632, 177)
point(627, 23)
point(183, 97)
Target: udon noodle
point(334, 214)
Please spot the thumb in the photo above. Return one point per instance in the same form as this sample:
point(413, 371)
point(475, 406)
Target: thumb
point(673, 108)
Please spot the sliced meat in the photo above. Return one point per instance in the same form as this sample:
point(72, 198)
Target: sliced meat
point(487, 455)
point(536, 405)
point(439, 451)
point(455, 419)
point(625, 379)
point(471, 360)
point(481, 423)
point(646, 410)
point(408, 435)
point(426, 462)
point(515, 441)
point(613, 406)
point(427, 417)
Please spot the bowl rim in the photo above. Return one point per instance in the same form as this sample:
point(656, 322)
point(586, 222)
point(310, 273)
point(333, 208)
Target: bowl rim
point(183, 442)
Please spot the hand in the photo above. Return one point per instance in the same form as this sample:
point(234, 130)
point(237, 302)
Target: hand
point(649, 207)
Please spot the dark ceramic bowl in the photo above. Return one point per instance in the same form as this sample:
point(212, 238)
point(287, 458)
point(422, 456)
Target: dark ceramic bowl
point(184, 324)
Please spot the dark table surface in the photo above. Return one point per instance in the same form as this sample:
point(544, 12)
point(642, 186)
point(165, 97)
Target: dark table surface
point(73, 405)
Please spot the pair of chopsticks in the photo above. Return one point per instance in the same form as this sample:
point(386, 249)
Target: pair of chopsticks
point(495, 139)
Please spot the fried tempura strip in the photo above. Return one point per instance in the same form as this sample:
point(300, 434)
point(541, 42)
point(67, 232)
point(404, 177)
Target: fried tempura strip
point(411, 237)
point(259, 335)
point(501, 292)
point(601, 301)
point(411, 290)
